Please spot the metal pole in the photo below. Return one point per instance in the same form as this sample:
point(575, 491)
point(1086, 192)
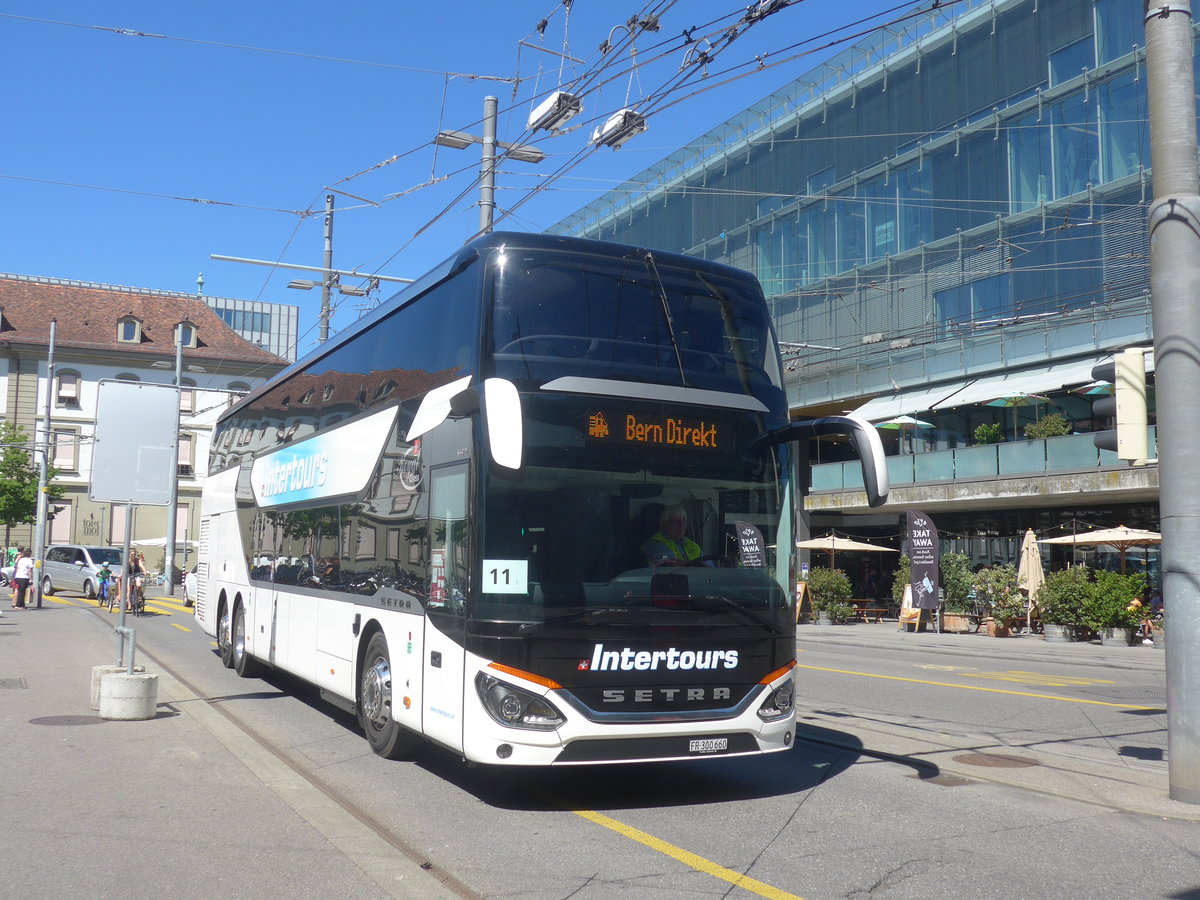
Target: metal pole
point(123, 600)
point(43, 494)
point(1175, 295)
point(487, 169)
point(173, 504)
point(327, 281)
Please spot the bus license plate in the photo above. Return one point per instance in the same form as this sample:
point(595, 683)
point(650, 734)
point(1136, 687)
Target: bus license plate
point(708, 745)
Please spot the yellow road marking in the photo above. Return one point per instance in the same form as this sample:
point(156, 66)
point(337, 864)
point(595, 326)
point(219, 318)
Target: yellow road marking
point(947, 668)
point(180, 627)
point(699, 863)
point(972, 687)
point(1039, 678)
point(59, 600)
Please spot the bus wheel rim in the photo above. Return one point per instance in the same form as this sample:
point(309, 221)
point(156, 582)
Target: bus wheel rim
point(377, 689)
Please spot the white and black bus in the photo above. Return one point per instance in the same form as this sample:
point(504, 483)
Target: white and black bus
point(446, 516)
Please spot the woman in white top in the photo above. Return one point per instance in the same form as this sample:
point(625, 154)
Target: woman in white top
point(21, 578)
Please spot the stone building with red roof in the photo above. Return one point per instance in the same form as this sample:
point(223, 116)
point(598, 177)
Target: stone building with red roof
point(122, 333)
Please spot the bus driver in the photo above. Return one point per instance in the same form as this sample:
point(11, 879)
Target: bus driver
point(670, 546)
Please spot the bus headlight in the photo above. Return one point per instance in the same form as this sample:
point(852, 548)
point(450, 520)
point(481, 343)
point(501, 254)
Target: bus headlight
point(779, 703)
point(514, 707)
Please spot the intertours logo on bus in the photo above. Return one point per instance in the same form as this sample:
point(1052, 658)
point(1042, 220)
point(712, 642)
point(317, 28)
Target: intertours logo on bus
point(627, 659)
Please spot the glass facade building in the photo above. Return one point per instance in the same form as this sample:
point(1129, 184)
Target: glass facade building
point(952, 201)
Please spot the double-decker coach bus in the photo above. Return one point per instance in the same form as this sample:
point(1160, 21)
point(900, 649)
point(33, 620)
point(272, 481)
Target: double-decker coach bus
point(452, 516)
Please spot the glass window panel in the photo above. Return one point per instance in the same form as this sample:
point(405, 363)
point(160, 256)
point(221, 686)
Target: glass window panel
point(1118, 28)
point(851, 217)
point(1071, 60)
point(915, 193)
point(879, 206)
point(1075, 143)
point(1028, 163)
point(1124, 135)
point(770, 260)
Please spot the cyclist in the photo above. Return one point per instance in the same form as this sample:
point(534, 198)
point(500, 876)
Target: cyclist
point(136, 576)
point(105, 577)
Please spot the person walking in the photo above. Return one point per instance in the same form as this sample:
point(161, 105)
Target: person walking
point(21, 578)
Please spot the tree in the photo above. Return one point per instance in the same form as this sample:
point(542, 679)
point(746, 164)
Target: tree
point(19, 479)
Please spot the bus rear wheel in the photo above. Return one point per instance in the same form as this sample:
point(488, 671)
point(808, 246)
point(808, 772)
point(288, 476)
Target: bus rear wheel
point(243, 663)
point(224, 642)
point(386, 736)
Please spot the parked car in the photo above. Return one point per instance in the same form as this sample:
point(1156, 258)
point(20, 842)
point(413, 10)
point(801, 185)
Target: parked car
point(69, 567)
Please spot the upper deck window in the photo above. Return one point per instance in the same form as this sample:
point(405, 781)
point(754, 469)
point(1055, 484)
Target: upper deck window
point(616, 318)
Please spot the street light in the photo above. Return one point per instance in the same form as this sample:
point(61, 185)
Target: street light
point(459, 140)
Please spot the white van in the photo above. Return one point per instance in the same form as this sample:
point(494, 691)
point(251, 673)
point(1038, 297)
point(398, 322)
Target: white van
point(69, 567)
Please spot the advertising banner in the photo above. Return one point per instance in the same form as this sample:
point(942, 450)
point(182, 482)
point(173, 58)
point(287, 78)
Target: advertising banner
point(923, 557)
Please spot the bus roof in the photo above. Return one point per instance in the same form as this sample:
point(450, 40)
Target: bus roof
point(467, 254)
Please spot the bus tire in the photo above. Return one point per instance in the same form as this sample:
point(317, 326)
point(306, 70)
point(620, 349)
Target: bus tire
point(387, 737)
point(224, 641)
point(243, 663)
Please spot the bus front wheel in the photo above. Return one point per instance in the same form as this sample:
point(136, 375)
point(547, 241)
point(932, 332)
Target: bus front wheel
point(386, 736)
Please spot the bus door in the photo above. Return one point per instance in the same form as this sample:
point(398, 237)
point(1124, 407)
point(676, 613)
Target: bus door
point(445, 620)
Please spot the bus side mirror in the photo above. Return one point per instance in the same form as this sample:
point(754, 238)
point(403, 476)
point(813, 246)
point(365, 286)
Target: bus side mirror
point(503, 417)
point(863, 437)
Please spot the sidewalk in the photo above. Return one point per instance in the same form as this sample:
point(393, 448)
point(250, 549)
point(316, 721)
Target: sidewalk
point(185, 800)
point(1024, 647)
point(1108, 780)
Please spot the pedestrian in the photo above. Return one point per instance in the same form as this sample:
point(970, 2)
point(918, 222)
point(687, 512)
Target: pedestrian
point(21, 578)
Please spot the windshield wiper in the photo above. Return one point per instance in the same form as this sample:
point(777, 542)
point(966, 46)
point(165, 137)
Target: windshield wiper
point(729, 603)
point(666, 308)
point(595, 611)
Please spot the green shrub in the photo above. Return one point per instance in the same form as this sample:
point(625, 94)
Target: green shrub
point(830, 589)
point(1109, 603)
point(997, 587)
point(956, 582)
point(1053, 425)
point(1064, 596)
point(989, 433)
point(900, 578)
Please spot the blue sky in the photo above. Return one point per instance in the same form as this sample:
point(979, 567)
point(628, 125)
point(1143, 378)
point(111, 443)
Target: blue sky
point(110, 135)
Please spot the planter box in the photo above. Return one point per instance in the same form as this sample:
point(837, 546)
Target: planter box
point(1116, 637)
point(997, 629)
point(1060, 634)
point(957, 623)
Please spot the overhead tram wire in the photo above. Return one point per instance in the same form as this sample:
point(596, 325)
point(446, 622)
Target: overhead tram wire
point(129, 32)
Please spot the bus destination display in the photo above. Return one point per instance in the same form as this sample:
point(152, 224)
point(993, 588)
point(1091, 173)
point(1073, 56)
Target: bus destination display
point(666, 431)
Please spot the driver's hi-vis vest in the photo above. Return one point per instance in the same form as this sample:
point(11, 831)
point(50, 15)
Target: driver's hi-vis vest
point(661, 547)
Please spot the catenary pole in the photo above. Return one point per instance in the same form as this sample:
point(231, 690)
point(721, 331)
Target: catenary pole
point(173, 503)
point(327, 281)
point(1175, 294)
point(487, 167)
point(43, 453)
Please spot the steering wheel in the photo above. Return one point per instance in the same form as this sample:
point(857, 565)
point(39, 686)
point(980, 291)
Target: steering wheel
point(718, 560)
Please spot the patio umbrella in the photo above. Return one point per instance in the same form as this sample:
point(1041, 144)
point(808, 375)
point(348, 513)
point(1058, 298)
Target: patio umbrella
point(1012, 401)
point(904, 424)
point(1030, 575)
point(833, 544)
point(1120, 537)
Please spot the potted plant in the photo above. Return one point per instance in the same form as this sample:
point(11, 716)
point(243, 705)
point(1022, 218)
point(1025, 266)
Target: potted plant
point(996, 587)
point(989, 433)
point(1062, 599)
point(1109, 610)
point(956, 588)
point(830, 592)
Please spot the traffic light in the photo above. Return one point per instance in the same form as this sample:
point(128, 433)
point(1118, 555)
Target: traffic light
point(1126, 406)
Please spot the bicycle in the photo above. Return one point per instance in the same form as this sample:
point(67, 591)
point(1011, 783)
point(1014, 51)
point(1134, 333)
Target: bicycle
point(137, 595)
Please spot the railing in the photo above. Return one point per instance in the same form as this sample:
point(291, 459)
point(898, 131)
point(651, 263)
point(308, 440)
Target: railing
point(1072, 452)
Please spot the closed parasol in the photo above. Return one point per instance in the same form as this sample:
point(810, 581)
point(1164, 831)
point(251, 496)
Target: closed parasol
point(1030, 575)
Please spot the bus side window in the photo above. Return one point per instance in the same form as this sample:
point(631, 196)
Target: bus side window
point(450, 549)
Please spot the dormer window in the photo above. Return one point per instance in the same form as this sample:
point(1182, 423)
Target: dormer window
point(185, 334)
point(129, 330)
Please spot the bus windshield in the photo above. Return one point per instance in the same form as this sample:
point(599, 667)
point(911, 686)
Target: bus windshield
point(558, 315)
point(581, 520)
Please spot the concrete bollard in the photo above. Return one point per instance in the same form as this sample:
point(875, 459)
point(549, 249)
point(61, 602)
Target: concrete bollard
point(99, 672)
point(128, 697)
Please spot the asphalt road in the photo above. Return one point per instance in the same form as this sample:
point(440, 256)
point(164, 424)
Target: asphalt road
point(870, 802)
